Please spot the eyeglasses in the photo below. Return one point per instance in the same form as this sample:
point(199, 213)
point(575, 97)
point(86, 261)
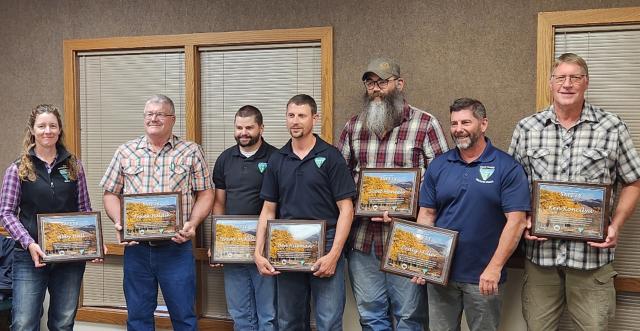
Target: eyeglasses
point(382, 83)
point(161, 116)
point(559, 80)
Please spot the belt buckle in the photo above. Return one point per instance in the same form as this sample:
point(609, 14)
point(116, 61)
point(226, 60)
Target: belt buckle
point(152, 244)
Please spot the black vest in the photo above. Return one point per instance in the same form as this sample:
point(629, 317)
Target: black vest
point(49, 193)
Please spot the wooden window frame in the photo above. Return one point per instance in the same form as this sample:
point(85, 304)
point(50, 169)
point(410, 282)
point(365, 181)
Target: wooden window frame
point(190, 43)
point(548, 22)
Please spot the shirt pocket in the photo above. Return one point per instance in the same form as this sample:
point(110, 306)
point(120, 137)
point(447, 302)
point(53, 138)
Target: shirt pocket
point(179, 177)
point(593, 167)
point(538, 163)
point(133, 174)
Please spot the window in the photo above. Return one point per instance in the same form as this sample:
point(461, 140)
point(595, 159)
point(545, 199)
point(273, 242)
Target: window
point(208, 76)
point(609, 40)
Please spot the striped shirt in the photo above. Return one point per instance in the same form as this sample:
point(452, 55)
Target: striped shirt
point(10, 201)
point(597, 149)
point(179, 166)
point(412, 144)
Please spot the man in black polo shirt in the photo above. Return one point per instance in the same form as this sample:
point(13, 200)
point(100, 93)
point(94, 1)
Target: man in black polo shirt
point(237, 175)
point(308, 179)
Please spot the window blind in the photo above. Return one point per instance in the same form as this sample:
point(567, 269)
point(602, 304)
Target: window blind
point(613, 57)
point(113, 89)
point(265, 77)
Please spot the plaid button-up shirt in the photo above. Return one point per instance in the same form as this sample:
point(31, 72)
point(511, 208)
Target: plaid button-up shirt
point(597, 149)
point(412, 144)
point(179, 166)
point(12, 194)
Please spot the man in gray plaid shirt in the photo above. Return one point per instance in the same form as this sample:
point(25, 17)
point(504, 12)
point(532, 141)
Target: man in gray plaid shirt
point(574, 141)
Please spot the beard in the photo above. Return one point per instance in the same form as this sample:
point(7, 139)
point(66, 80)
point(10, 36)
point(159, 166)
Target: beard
point(466, 142)
point(381, 116)
point(252, 140)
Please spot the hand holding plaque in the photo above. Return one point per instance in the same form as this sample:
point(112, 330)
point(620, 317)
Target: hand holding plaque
point(416, 250)
point(70, 237)
point(572, 211)
point(152, 216)
point(394, 190)
point(233, 239)
point(295, 245)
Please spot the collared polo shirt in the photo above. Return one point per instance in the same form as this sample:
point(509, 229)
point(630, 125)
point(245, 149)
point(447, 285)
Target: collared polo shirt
point(472, 198)
point(308, 188)
point(241, 178)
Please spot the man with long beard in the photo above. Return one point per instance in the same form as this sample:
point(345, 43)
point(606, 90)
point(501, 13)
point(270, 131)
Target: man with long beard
point(483, 193)
point(388, 133)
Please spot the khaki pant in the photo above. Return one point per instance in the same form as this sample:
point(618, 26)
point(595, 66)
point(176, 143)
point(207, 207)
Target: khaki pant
point(589, 296)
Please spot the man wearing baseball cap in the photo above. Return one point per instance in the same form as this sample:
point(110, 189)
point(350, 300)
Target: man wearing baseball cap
point(387, 133)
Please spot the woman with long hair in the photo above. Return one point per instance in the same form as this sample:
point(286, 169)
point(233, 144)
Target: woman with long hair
point(46, 178)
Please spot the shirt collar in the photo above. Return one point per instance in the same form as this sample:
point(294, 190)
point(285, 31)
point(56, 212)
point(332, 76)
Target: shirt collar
point(588, 114)
point(61, 155)
point(406, 111)
point(144, 142)
point(261, 152)
point(487, 155)
point(318, 148)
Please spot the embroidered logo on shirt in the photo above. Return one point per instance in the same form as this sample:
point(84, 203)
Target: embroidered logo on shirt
point(320, 160)
point(485, 174)
point(64, 173)
point(262, 166)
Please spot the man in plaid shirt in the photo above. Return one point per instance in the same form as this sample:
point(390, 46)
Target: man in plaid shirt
point(574, 141)
point(160, 162)
point(388, 133)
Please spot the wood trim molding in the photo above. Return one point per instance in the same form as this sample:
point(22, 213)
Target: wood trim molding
point(118, 250)
point(192, 92)
point(548, 22)
point(191, 44)
point(119, 317)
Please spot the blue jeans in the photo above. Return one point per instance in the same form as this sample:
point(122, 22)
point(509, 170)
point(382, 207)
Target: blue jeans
point(447, 302)
point(379, 294)
point(63, 280)
point(251, 298)
point(294, 291)
point(171, 266)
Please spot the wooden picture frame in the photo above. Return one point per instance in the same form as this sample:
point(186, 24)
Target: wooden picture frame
point(151, 216)
point(70, 237)
point(416, 250)
point(571, 211)
point(295, 245)
point(394, 190)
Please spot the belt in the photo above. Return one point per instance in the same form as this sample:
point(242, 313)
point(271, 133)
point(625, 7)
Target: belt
point(157, 243)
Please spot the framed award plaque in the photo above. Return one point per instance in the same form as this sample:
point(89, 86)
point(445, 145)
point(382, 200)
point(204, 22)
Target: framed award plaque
point(394, 190)
point(295, 245)
point(151, 216)
point(233, 239)
point(70, 237)
point(416, 250)
point(571, 211)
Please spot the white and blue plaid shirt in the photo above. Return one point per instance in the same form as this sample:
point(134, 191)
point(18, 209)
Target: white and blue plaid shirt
point(597, 149)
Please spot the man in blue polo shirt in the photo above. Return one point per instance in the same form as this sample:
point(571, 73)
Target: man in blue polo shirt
point(237, 174)
point(483, 193)
point(308, 179)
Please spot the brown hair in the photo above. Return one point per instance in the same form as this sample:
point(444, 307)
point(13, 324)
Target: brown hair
point(26, 170)
point(570, 58)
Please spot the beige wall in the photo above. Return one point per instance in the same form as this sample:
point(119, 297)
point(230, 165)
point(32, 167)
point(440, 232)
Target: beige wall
point(447, 49)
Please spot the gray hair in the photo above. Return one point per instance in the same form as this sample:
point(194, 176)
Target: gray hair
point(161, 99)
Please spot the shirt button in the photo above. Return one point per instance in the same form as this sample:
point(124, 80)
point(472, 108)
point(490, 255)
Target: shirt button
point(466, 174)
